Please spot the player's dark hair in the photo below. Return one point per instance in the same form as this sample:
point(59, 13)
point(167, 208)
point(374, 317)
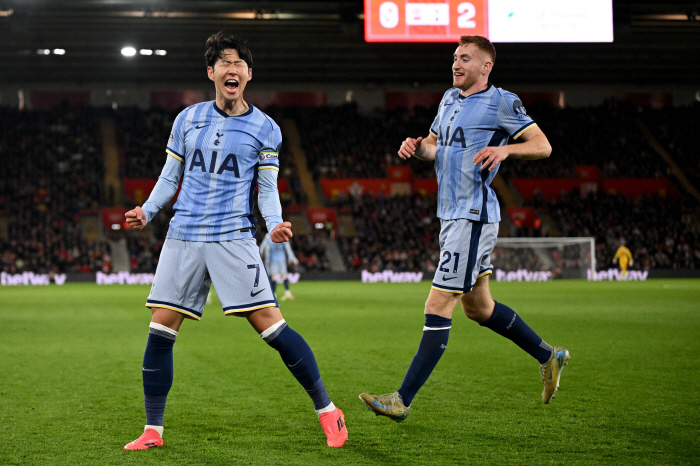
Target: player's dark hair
point(223, 40)
point(482, 43)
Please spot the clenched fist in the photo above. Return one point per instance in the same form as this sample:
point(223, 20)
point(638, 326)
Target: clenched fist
point(136, 218)
point(282, 232)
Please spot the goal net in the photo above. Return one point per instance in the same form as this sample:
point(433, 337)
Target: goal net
point(541, 259)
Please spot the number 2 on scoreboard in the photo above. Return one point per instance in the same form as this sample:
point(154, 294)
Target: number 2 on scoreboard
point(467, 12)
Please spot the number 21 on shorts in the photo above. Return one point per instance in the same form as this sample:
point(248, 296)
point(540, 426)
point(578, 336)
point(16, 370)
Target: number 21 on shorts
point(448, 258)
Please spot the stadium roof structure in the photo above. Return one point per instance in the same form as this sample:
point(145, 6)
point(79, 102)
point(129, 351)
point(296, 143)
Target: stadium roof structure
point(317, 42)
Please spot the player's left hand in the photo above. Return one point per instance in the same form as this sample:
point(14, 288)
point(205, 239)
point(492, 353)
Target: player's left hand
point(282, 232)
point(490, 157)
point(294, 262)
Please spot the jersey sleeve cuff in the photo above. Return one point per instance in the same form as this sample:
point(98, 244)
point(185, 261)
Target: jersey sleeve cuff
point(524, 129)
point(433, 133)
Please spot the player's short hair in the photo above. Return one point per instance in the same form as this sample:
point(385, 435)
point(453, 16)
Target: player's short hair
point(223, 40)
point(482, 43)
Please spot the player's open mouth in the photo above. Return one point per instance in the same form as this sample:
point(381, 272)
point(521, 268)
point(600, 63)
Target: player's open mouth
point(458, 75)
point(231, 85)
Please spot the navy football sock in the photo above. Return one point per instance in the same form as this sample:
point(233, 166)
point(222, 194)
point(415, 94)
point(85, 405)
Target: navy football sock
point(435, 335)
point(273, 284)
point(299, 359)
point(505, 322)
point(286, 284)
point(157, 371)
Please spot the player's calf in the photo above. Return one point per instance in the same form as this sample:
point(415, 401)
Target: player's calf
point(300, 361)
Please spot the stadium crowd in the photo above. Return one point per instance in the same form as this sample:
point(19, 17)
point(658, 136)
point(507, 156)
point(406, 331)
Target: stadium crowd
point(397, 233)
point(662, 234)
point(51, 171)
point(606, 136)
point(340, 142)
point(675, 129)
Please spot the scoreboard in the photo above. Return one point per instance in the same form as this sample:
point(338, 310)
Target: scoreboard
point(498, 20)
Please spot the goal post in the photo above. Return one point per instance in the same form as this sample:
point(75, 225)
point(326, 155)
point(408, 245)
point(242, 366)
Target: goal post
point(541, 259)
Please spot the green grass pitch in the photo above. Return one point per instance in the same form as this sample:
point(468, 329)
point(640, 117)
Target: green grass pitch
point(70, 379)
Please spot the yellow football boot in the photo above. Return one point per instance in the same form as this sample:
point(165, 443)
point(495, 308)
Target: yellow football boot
point(551, 371)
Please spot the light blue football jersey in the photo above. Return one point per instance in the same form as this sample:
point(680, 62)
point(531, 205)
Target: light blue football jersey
point(220, 156)
point(464, 126)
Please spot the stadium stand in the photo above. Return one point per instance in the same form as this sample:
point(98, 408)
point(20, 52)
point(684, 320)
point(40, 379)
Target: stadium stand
point(393, 233)
point(51, 173)
point(606, 136)
point(342, 143)
point(142, 135)
point(675, 129)
point(661, 234)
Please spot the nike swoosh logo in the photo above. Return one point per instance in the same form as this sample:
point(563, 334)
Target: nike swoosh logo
point(202, 126)
point(150, 370)
point(252, 295)
point(292, 365)
point(445, 279)
point(374, 402)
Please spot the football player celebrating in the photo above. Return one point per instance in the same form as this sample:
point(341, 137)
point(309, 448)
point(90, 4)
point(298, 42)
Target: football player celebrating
point(221, 150)
point(468, 142)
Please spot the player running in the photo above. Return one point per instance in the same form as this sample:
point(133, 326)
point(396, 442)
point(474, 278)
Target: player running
point(221, 149)
point(276, 256)
point(467, 141)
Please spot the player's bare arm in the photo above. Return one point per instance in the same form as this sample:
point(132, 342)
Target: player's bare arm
point(536, 146)
point(282, 232)
point(421, 148)
point(136, 218)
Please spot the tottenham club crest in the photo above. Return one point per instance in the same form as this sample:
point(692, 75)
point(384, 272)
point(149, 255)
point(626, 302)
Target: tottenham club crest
point(518, 109)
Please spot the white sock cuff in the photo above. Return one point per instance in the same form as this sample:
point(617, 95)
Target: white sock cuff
point(272, 329)
point(327, 409)
point(158, 429)
point(162, 328)
point(436, 328)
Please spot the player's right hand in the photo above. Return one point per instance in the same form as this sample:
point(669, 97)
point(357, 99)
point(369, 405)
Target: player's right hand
point(409, 147)
point(282, 232)
point(136, 218)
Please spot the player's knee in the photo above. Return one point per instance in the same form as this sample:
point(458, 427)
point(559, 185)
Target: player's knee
point(477, 310)
point(167, 317)
point(441, 306)
point(432, 308)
